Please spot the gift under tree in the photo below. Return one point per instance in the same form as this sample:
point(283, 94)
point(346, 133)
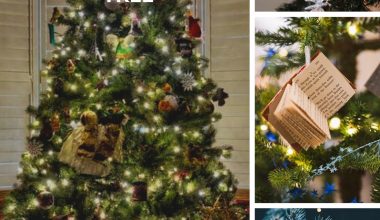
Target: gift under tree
point(125, 127)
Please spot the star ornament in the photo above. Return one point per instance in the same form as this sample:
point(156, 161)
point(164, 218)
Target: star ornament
point(329, 189)
point(318, 5)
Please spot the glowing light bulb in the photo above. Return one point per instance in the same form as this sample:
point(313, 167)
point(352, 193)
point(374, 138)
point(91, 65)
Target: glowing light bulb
point(165, 49)
point(65, 182)
point(289, 151)
point(176, 149)
point(140, 89)
point(264, 127)
point(107, 28)
point(146, 105)
point(81, 14)
point(201, 193)
point(353, 29)
point(50, 184)
point(73, 87)
point(114, 72)
point(101, 16)
point(98, 106)
point(63, 52)
point(283, 52)
point(11, 207)
point(96, 200)
point(352, 131)
point(375, 126)
point(127, 173)
point(319, 210)
point(172, 18)
point(81, 52)
point(86, 24)
point(190, 187)
point(335, 123)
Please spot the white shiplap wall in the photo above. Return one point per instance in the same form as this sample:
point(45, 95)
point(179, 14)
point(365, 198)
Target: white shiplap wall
point(16, 50)
point(227, 37)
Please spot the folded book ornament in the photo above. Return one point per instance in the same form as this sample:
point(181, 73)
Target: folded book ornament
point(90, 147)
point(300, 110)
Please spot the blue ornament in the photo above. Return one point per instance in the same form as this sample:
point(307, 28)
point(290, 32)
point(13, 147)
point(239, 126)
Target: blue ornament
point(314, 193)
point(329, 189)
point(271, 52)
point(271, 137)
point(296, 193)
point(286, 164)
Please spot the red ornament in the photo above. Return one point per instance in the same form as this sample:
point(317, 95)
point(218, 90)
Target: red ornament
point(194, 28)
point(181, 175)
point(55, 123)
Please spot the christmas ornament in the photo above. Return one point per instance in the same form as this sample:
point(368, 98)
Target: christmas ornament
point(373, 83)
point(70, 66)
point(55, 123)
point(45, 200)
point(125, 49)
point(90, 146)
point(140, 192)
point(112, 40)
point(188, 81)
point(185, 47)
point(59, 86)
point(126, 21)
point(135, 26)
point(318, 5)
point(54, 19)
point(271, 137)
point(125, 120)
point(167, 88)
point(102, 84)
point(46, 132)
point(220, 96)
point(181, 175)
point(112, 5)
point(194, 30)
point(34, 148)
point(168, 104)
point(195, 155)
point(66, 114)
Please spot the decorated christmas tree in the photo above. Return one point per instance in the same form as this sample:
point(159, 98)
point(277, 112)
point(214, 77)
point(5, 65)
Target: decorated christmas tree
point(125, 127)
point(287, 171)
point(330, 5)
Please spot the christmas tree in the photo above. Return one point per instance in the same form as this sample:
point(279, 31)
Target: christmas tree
point(125, 127)
point(330, 5)
point(282, 173)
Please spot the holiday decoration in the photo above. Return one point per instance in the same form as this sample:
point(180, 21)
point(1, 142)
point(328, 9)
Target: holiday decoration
point(34, 148)
point(187, 81)
point(194, 30)
point(185, 47)
point(89, 146)
point(115, 125)
point(220, 97)
point(47, 131)
point(55, 123)
point(45, 200)
point(112, 40)
point(334, 171)
point(318, 5)
point(167, 88)
point(125, 49)
point(135, 27)
point(54, 19)
point(168, 104)
point(140, 192)
point(112, 5)
point(373, 82)
point(70, 66)
point(299, 112)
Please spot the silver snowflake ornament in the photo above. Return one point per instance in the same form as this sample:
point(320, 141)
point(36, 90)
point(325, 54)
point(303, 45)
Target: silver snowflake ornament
point(34, 148)
point(318, 5)
point(188, 81)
